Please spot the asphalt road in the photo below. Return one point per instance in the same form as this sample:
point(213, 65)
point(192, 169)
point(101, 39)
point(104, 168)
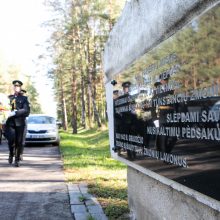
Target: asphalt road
point(36, 190)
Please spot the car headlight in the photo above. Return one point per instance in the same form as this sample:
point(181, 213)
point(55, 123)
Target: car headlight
point(51, 130)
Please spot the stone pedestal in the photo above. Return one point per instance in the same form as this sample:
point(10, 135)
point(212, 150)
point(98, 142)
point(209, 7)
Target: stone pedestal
point(149, 199)
point(143, 26)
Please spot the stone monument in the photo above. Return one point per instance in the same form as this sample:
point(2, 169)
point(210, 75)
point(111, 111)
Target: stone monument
point(162, 67)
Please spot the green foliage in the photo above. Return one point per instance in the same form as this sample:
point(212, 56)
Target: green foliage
point(91, 149)
point(198, 48)
point(33, 98)
point(91, 218)
point(114, 211)
point(8, 73)
point(81, 29)
point(82, 198)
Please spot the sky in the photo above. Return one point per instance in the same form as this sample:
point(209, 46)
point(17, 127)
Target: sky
point(21, 33)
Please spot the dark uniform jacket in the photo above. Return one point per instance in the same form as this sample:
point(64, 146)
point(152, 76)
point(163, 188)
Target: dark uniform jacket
point(21, 104)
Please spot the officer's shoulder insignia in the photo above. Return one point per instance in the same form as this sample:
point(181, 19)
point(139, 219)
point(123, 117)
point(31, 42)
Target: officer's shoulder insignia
point(10, 96)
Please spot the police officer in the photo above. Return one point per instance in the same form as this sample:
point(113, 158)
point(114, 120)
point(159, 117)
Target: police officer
point(128, 118)
point(164, 143)
point(16, 121)
point(126, 87)
point(23, 93)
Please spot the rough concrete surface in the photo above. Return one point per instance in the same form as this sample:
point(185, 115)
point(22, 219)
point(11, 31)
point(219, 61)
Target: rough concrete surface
point(154, 200)
point(36, 190)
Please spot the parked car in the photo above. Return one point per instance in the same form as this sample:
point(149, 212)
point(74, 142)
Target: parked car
point(42, 129)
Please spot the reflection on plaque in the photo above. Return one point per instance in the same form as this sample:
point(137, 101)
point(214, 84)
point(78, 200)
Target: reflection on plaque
point(167, 107)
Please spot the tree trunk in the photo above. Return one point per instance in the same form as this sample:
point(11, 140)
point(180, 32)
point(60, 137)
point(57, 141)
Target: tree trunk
point(83, 119)
point(74, 88)
point(194, 77)
point(82, 77)
point(95, 111)
point(63, 101)
point(74, 103)
point(194, 69)
point(82, 84)
point(93, 91)
point(87, 55)
point(110, 15)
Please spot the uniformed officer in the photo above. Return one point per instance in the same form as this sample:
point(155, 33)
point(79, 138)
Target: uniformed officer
point(164, 143)
point(115, 94)
point(126, 87)
point(16, 121)
point(23, 93)
point(128, 118)
point(116, 120)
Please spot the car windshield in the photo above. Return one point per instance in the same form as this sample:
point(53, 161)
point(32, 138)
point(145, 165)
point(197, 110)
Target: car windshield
point(41, 120)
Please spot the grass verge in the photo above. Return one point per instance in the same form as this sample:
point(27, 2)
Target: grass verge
point(87, 159)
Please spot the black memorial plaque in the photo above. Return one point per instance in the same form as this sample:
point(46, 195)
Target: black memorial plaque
point(167, 107)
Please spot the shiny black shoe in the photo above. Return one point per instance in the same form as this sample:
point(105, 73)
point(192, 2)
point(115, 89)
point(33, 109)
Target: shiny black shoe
point(10, 159)
point(17, 164)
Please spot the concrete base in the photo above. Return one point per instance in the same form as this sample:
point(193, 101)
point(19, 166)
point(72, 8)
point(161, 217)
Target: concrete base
point(150, 199)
